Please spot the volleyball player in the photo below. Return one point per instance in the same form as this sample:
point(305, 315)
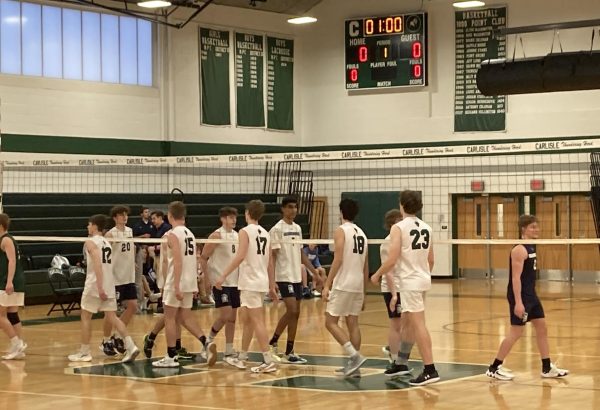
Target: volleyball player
point(123, 255)
point(399, 343)
point(411, 247)
point(12, 291)
point(524, 305)
point(99, 292)
point(288, 259)
point(214, 260)
point(347, 280)
point(256, 278)
point(180, 285)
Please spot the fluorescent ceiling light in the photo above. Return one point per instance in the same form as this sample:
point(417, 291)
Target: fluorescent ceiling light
point(154, 4)
point(468, 4)
point(302, 20)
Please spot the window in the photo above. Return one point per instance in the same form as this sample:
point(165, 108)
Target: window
point(67, 43)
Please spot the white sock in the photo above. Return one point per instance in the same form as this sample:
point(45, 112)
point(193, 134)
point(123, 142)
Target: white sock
point(243, 355)
point(85, 349)
point(228, 348)
point(350, 349)
point(14, 341)
point(267, 357)
point(129, 343)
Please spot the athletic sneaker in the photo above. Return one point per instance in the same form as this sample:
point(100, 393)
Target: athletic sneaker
point(264, 368)
point(80, 357)
point(354, 363)
point(555, 372)
point(108, 348)
point(500, 373)
point(148, 345)
point(130, 355)
point(211, 354)
point(397, 370)
point(340, 372)
point(235, 362)
point(119, 344)
point(274, 353)
point(425, 378)
point(183, 354)
point(293, 358)
point(316, 293)
point(16, 351)
point(306, 294)
point(166, 362)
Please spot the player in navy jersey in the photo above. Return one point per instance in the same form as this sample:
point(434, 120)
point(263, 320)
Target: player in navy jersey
point(524, 304)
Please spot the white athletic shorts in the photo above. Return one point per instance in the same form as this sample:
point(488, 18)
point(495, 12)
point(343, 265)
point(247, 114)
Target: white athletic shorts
point(171, 300)
point(342, 303)
point(94, 304)
point(251, 299)
point(14, 299)
point(412, 300)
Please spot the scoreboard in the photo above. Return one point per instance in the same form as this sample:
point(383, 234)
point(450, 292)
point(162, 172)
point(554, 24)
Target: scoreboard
point(384, 52)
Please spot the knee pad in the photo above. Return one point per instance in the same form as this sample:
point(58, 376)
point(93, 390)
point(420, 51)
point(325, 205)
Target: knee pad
point(13, 318)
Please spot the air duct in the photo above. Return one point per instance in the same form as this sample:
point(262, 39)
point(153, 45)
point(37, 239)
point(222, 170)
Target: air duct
point(553, 72)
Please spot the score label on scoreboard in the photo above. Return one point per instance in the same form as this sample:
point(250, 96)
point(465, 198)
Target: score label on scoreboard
point(384, 52)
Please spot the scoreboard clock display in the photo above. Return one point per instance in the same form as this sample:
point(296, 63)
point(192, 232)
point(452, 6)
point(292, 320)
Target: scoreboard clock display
point(384, 52)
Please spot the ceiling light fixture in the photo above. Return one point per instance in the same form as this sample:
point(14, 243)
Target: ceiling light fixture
point(302, 20)
point(154, 4)
point(468, 4)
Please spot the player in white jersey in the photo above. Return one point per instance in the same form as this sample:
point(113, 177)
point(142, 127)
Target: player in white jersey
point(400, 341)
point(99, 292)
point(347, 280)
point(411, 249)
point(288, 259)
point(123, 257)
point(214, 260)
point(180, 285)
point(256, 278)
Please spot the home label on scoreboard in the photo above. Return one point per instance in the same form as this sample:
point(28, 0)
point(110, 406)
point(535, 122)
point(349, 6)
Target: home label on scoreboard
point(384, 52)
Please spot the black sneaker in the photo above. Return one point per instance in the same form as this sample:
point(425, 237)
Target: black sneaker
point(397, 370)
point(148, 345)
point(183, 354)
point(119, 344)
point(425, 378)
point(108, 349)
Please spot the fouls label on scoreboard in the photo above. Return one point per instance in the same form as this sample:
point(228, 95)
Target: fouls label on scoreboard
point(388, 51)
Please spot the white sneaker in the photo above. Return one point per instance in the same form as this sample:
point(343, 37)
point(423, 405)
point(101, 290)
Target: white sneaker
point(235, 362)
point(340, 372)
point(15, 351)
point(166, 362)
point(80, 357)
point(130, 354)
point(274, 353)
point(316, 293)
point(555, 372)
point(500, 374)
point(293, 358)
point(211, 354)
point(264, 368)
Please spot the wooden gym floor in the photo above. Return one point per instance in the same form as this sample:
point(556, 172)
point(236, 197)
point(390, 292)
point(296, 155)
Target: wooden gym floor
point(466, 318)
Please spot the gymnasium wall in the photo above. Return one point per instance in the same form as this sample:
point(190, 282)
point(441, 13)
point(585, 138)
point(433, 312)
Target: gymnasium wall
point(331, 116)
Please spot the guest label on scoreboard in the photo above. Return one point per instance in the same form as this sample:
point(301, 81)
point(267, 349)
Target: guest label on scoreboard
point(384, 52)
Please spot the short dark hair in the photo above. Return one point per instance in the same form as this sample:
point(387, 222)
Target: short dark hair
point(158, 213)
point(228, 211)
point(119, 209)
point(349, 209)
point(143, 208)
point(256, 209)
point(4, 221)
point(411, 202)
point(99, 220)
point(525, 221)
point(177, 209)
point(391, 217)
point(289, 200)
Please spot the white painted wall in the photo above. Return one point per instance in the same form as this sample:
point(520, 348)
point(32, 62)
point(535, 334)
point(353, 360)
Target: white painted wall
point(333, 117)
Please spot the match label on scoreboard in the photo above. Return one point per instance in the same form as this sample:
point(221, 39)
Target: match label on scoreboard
point(384, 52)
